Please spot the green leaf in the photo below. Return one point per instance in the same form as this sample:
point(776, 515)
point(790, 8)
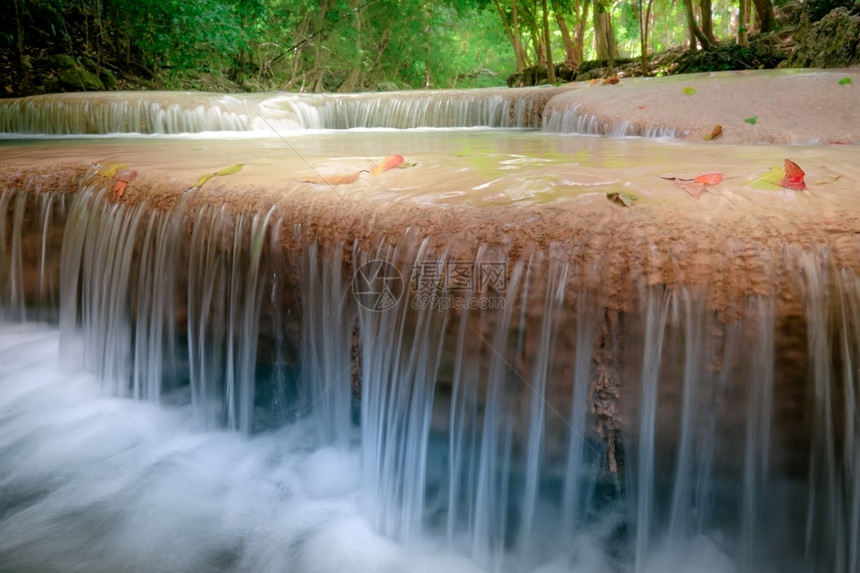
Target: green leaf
point(752, 120)
point(844, 81)
point(689, 91)
point(226, 171)
point(770, 180)
point(622, 198)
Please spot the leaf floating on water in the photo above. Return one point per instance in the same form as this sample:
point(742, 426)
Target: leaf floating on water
point(705, 179)
point(230, 170)
point(770, 179)
point(110, 169)
point(203, 180)
point(226, 171)
point(386, 164)
point(709, 179)
point(689, 90)
point(695, 186)
point(844, 81)
point(715, 133)
point(622, 198)
point(793, 176)
point(121, 173)
point(752, 120)
point(334, 179)
point(611, 80)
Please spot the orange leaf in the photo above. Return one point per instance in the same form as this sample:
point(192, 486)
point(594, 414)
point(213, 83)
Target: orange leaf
point(120, 187)
point(611, 80)
point(334, 179)
point(715, 133)
point(709, 179)
point(793, 176)
point(386, 164)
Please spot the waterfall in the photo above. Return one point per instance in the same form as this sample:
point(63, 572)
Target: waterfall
point(558, 385)
point(572, 119)
point(166, 113)
point(501, 433)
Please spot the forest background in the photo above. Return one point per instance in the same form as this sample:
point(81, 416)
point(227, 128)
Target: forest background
point(362, 45)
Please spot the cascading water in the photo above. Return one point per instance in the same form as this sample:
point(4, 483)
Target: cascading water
point(168, 113)
point(591, 402)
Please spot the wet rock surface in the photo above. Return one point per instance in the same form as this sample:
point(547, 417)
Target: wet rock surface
point(832, 42)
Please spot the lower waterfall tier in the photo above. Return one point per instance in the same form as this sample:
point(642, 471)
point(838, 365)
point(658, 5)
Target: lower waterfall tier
point(518, 366)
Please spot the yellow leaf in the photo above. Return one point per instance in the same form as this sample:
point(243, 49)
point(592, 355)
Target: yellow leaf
point(203, 180)
point(226, 171)
point(110, 169)
point(230, 170)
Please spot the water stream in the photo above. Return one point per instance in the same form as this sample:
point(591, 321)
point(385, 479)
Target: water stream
point(225, 382)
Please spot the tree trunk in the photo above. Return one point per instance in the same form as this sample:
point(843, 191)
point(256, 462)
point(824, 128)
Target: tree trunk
point(580, 11)
point(744, 22)
point(693, 27)
point(708, 21)
point(351, 81)
point(569, 46)
point(604, 35)
point(645, 12)
point(764, 15)
point(547, 40)
point(512, 29)
point(317, 67)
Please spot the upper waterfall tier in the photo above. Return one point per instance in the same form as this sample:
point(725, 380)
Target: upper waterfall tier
point(275, 113)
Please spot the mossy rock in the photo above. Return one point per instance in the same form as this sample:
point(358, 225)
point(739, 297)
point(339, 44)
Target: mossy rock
point(89, 64)
point(73, 75)
point(832, 42)
point(81, 78)
point(724, 57)
point(108, 78)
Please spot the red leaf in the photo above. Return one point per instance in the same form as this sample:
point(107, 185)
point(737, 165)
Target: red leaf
point(793, 176)
point(386, 164)
point(119, 188)
point(709, 179)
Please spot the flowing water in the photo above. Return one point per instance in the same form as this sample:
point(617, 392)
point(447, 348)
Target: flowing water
point(219, 384)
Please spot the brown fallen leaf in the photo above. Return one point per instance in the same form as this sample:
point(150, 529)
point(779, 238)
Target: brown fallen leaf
point(611, 80)
point(715, 133)
point(334, 179)
point(695, 186)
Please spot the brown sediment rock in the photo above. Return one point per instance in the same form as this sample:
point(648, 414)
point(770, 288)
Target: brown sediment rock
point(544, 200)
point(790, 106)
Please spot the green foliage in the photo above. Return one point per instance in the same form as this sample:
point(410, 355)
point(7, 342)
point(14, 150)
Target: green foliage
point(347, 45)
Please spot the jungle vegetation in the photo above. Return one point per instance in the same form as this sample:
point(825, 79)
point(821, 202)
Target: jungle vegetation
point(354, 45)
